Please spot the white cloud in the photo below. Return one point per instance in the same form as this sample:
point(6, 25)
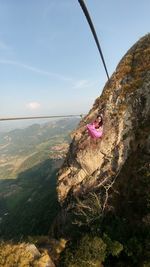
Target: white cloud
point(33, 105)
point(81, 84)
point(36, 70)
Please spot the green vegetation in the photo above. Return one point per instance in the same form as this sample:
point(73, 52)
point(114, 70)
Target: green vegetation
point(29, 203)
point(90, 251)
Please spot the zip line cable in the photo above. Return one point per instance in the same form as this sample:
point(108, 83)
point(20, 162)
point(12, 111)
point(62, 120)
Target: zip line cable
point(40, 117)
point(87, 15)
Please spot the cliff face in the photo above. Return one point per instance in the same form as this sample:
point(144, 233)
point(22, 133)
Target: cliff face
point(125, 104)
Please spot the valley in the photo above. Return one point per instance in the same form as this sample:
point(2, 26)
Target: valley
point(29, 162)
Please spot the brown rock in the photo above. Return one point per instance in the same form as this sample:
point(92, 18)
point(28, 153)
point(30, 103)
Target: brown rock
point(45, 261)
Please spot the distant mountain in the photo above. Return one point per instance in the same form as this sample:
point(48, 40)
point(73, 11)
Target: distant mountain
point(21, 149)
point(7, 126)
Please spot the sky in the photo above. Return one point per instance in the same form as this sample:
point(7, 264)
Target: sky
point(49, 62)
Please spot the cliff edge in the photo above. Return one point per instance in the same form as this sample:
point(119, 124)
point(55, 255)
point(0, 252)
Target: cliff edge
point(125, 104)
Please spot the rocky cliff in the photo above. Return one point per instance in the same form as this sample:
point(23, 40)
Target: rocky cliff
point(117, 159)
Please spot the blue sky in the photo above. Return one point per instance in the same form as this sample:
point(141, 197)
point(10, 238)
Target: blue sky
point(49, 63)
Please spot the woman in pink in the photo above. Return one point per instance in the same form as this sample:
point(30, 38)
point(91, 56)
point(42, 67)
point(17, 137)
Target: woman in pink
point(95, 129)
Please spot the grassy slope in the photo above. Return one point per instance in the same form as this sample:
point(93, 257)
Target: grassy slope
point(29, 203)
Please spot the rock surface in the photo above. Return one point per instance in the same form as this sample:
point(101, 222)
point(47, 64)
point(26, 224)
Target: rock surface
point(23, 254)
point(125, 104)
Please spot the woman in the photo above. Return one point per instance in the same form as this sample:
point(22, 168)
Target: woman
point(95, 129)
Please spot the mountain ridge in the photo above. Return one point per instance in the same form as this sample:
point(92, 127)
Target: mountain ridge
point(125, 105)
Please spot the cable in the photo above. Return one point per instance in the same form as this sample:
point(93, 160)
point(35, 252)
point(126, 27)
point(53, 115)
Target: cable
point(86, 13)
point(39, 117)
